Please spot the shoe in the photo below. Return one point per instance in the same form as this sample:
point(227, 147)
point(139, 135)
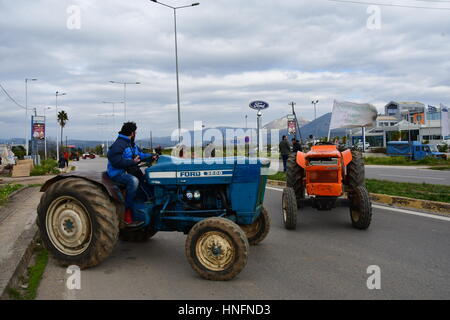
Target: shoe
point(128, 219)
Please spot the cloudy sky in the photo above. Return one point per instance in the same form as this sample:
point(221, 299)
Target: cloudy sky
point(231, 52)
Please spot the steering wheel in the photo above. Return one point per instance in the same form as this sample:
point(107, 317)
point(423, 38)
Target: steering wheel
point(149, 164)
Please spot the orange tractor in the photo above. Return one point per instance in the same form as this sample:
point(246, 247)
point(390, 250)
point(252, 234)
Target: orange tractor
point(326, 174)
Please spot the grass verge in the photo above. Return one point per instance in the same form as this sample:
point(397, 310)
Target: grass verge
point(403, 161)
point(30, 283)
point(442, 168)
point(422, 191)
point(5, 191)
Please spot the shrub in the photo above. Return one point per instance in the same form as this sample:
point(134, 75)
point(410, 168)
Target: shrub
point(47, 167)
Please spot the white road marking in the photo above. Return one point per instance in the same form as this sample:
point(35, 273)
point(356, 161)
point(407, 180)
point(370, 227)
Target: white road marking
point(414, 213)
point(412, 177)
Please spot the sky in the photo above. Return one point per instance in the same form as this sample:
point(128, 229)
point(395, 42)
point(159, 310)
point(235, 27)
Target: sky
point(230, 53)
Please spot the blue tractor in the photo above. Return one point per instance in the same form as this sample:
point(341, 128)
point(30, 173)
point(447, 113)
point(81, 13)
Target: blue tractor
point(218, 205)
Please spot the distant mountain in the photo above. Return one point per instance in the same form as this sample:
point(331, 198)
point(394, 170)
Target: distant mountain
point(281, 123)
point(318, 128)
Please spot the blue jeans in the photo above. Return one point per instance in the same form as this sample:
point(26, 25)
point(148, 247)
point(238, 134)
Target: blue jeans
point(132, 184)
point(285, 158)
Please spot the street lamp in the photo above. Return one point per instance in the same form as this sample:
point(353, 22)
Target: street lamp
point(125, 94)
point(113, 103)
point(45, 126)
point(315, 102)
point(176, 57)
point(57, 131)
point(26, 113)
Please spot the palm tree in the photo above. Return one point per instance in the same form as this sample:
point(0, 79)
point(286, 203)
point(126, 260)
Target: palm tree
point(62, 120)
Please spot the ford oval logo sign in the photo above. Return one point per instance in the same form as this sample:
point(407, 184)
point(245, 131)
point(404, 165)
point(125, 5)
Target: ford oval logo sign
point(259, 105)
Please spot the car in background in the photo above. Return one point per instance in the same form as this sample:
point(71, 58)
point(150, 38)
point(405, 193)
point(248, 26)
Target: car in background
point(88, 156)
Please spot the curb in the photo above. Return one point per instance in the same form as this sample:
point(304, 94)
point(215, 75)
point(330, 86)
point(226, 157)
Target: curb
point(432, 207)
point(17, 264)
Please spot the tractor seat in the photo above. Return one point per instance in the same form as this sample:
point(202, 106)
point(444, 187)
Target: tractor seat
point(106, 179)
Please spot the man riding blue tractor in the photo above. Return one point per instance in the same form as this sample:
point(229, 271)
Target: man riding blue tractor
point(219, 206)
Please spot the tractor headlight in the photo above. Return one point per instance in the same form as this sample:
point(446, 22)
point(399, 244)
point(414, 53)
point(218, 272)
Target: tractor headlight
point(189, 195)
point(197, 195)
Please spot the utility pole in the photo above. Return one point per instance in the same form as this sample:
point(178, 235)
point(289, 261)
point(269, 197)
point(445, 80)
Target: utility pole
point(293, 104)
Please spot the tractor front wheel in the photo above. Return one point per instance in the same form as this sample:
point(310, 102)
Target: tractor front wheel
point(289, 205)
point(258, 230)
point(217, 249)
point(78, 222)
point(360, 208)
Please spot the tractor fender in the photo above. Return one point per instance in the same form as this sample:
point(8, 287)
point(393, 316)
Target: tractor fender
point(301, 159)
point(347, 155)
point(100, 179)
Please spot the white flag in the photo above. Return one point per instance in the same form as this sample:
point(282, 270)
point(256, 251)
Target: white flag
point(352, 115)
point(445, 122)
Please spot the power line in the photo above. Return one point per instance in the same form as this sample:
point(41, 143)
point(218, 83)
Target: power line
point(395, 5)
point(11, 98)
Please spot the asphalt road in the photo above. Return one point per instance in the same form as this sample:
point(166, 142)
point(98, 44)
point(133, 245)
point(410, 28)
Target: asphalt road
point(325, 258)
point(391, 173)
point(399, 173)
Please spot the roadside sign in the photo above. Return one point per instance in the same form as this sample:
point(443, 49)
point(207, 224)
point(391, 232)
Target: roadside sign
point(247, 139)
point(259, 105)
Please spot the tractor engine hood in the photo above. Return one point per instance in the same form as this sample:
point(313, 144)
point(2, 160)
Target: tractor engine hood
point(172, 170)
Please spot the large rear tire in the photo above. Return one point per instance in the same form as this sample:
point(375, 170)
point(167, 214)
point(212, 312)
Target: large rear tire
point(294, 178)
point(360, 208)
point(355, 171)
point(217, 249)
point(78, 223)
point(258, 230)
point(289, 209)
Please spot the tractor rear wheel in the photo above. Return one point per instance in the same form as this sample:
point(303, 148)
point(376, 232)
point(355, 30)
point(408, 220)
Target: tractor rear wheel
point(289, 205)
point(355, 171)
point(294, 178)
point(360, 208)
point(78, 222)
point(217, 249)
point(258, 230)
point(140, 235)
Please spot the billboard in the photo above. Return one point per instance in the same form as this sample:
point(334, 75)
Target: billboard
point(38, 128)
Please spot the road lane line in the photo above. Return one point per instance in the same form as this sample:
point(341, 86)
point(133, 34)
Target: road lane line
point(414, 213)
point(413, 177)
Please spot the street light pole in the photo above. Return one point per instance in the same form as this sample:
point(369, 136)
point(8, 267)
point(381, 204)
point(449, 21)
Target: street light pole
point(315, 102)
point(45, 136)
point(113, 103)
point(26, 114)
point(176, 58)
point(125, 95)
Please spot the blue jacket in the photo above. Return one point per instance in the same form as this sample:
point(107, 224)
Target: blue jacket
point(121, 155)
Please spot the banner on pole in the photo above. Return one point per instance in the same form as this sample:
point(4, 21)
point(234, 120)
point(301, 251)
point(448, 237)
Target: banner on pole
point(292, 125)
point(38, 128)
point(352, 115)
point(445, 122)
